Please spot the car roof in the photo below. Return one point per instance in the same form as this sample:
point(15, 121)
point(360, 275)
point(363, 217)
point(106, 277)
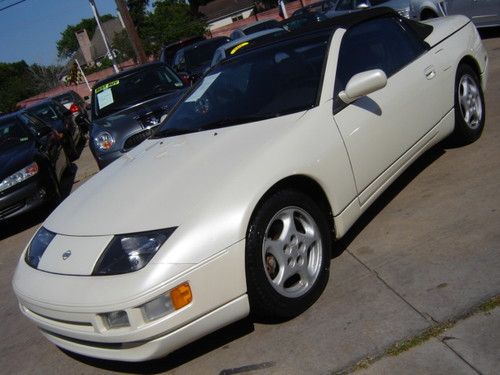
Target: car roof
point(243, 28)
point(40, 103)
point(344, 21)
point(245, 38)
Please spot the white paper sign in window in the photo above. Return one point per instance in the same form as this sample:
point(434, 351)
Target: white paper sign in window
point(105, 98)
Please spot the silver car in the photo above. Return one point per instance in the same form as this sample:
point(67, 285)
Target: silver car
point(426, 9)
point(484, 13)
point(349, 6)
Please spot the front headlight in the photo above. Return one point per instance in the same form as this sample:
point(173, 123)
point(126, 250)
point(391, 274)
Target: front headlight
point(19, 176)
point(131, 252)
point(38, 246)
point(104, 141)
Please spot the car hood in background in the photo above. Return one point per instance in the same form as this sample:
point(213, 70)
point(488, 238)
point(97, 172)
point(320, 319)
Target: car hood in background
point(162, 103)
point(16, 158)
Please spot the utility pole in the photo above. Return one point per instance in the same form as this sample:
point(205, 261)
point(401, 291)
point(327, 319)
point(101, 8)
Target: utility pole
point(99, 26)
point(131, 32)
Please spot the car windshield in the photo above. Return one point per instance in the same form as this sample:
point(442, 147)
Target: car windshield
point(45, 112)
point(267, 82)
point(124, 91)
point(11, 133)
point(65, 98)
point(202, 54)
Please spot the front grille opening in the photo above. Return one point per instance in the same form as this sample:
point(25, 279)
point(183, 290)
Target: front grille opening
point(138, 138)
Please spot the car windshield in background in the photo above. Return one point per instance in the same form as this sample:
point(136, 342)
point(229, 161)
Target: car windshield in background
point(45, 112)
point(264, 83)
point(262, 26)
point(65, 98)
point(202, 54)
point(139, 85)
point(11, 133)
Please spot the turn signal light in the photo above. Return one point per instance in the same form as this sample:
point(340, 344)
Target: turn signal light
point(181, 296)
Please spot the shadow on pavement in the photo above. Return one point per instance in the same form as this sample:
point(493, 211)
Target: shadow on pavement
point(387, 196)
point(206, 344)
point(25, 221)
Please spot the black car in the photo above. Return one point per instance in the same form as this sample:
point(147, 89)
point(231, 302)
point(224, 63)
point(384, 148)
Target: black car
point(302, 20)
point(32, 163)
point(168, 51)
point(62, 121)
point(77, 106)
point(318, 7)
point(191, 62)
point(127, 107)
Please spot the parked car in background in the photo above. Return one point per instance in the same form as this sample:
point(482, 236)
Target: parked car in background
point(253, 28)
point(484, 13)
point(168, 52)
point(302, 20)
point(349, 6)
point(74, 102)
point(233, 46)
point(32, 163)
point(319, 7)
point(128, 106)
point(62, 121)
point(232, 208)
point(191, 62)
point(426, 9)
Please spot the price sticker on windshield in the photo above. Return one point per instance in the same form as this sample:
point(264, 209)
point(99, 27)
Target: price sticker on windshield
point(107, 86)
point(105, 98)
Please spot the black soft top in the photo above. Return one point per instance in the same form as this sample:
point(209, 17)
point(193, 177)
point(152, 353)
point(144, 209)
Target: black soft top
point(345, 22)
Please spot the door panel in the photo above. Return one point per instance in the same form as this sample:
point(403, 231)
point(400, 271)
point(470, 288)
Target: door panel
point(379, 128)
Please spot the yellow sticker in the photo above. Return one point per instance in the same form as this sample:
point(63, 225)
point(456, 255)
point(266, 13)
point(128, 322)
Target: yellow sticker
point(237, 48)
point(107, 86)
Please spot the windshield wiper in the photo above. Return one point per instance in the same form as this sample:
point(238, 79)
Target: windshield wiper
point(235, 121)
point(170, 132)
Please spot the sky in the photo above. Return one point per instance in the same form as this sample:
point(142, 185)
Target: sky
point(29, 30)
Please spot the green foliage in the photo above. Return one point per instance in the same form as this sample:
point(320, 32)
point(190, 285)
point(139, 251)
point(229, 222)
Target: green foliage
point(46, 77)
point(137, 10)
point(169, 22)
point(15, 84)
point(67, 45)
point(121, 44)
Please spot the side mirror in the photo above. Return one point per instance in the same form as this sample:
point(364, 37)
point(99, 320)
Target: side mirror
point(362, 84)
point(86, 98)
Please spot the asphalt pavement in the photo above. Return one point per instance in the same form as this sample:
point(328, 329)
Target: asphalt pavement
point(412, 271)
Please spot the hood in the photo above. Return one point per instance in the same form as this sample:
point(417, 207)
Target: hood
point(166, 182)
point(137, 110)
point(16, 158)
point(139, 116)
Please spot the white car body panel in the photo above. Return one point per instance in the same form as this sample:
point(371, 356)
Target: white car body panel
point(207, 184)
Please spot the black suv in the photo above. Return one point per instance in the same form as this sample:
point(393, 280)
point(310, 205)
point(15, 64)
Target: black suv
point(32, 163)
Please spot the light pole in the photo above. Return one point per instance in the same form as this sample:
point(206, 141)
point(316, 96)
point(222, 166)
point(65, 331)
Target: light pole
point(110, 54)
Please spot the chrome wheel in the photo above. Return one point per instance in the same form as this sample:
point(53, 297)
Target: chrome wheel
point(470, 101)
point(292, 252)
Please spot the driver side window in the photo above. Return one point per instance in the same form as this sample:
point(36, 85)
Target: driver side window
point(383, 43)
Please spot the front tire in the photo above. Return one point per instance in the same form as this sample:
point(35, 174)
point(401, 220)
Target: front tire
point(470, 112)
point(287, 255)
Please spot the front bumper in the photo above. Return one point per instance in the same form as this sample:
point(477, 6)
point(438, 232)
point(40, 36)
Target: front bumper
point(28, 195)
point(68, 309)
point(103, 160)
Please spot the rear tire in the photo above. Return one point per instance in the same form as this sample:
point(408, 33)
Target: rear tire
point(470, 112)
point(287, 255)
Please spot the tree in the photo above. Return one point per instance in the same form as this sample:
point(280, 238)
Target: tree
point(170, 21)
point(121, 43)
point(46, 77)
point(15, 84)
point(67, 45)
point(137, 10)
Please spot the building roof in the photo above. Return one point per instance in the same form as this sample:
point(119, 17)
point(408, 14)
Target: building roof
point(218, 9)
point(111, 27)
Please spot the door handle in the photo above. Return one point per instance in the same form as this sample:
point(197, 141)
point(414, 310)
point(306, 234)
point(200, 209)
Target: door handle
point(430, 72)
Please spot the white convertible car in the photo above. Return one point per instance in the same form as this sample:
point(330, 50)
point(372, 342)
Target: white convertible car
point(232, 208)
